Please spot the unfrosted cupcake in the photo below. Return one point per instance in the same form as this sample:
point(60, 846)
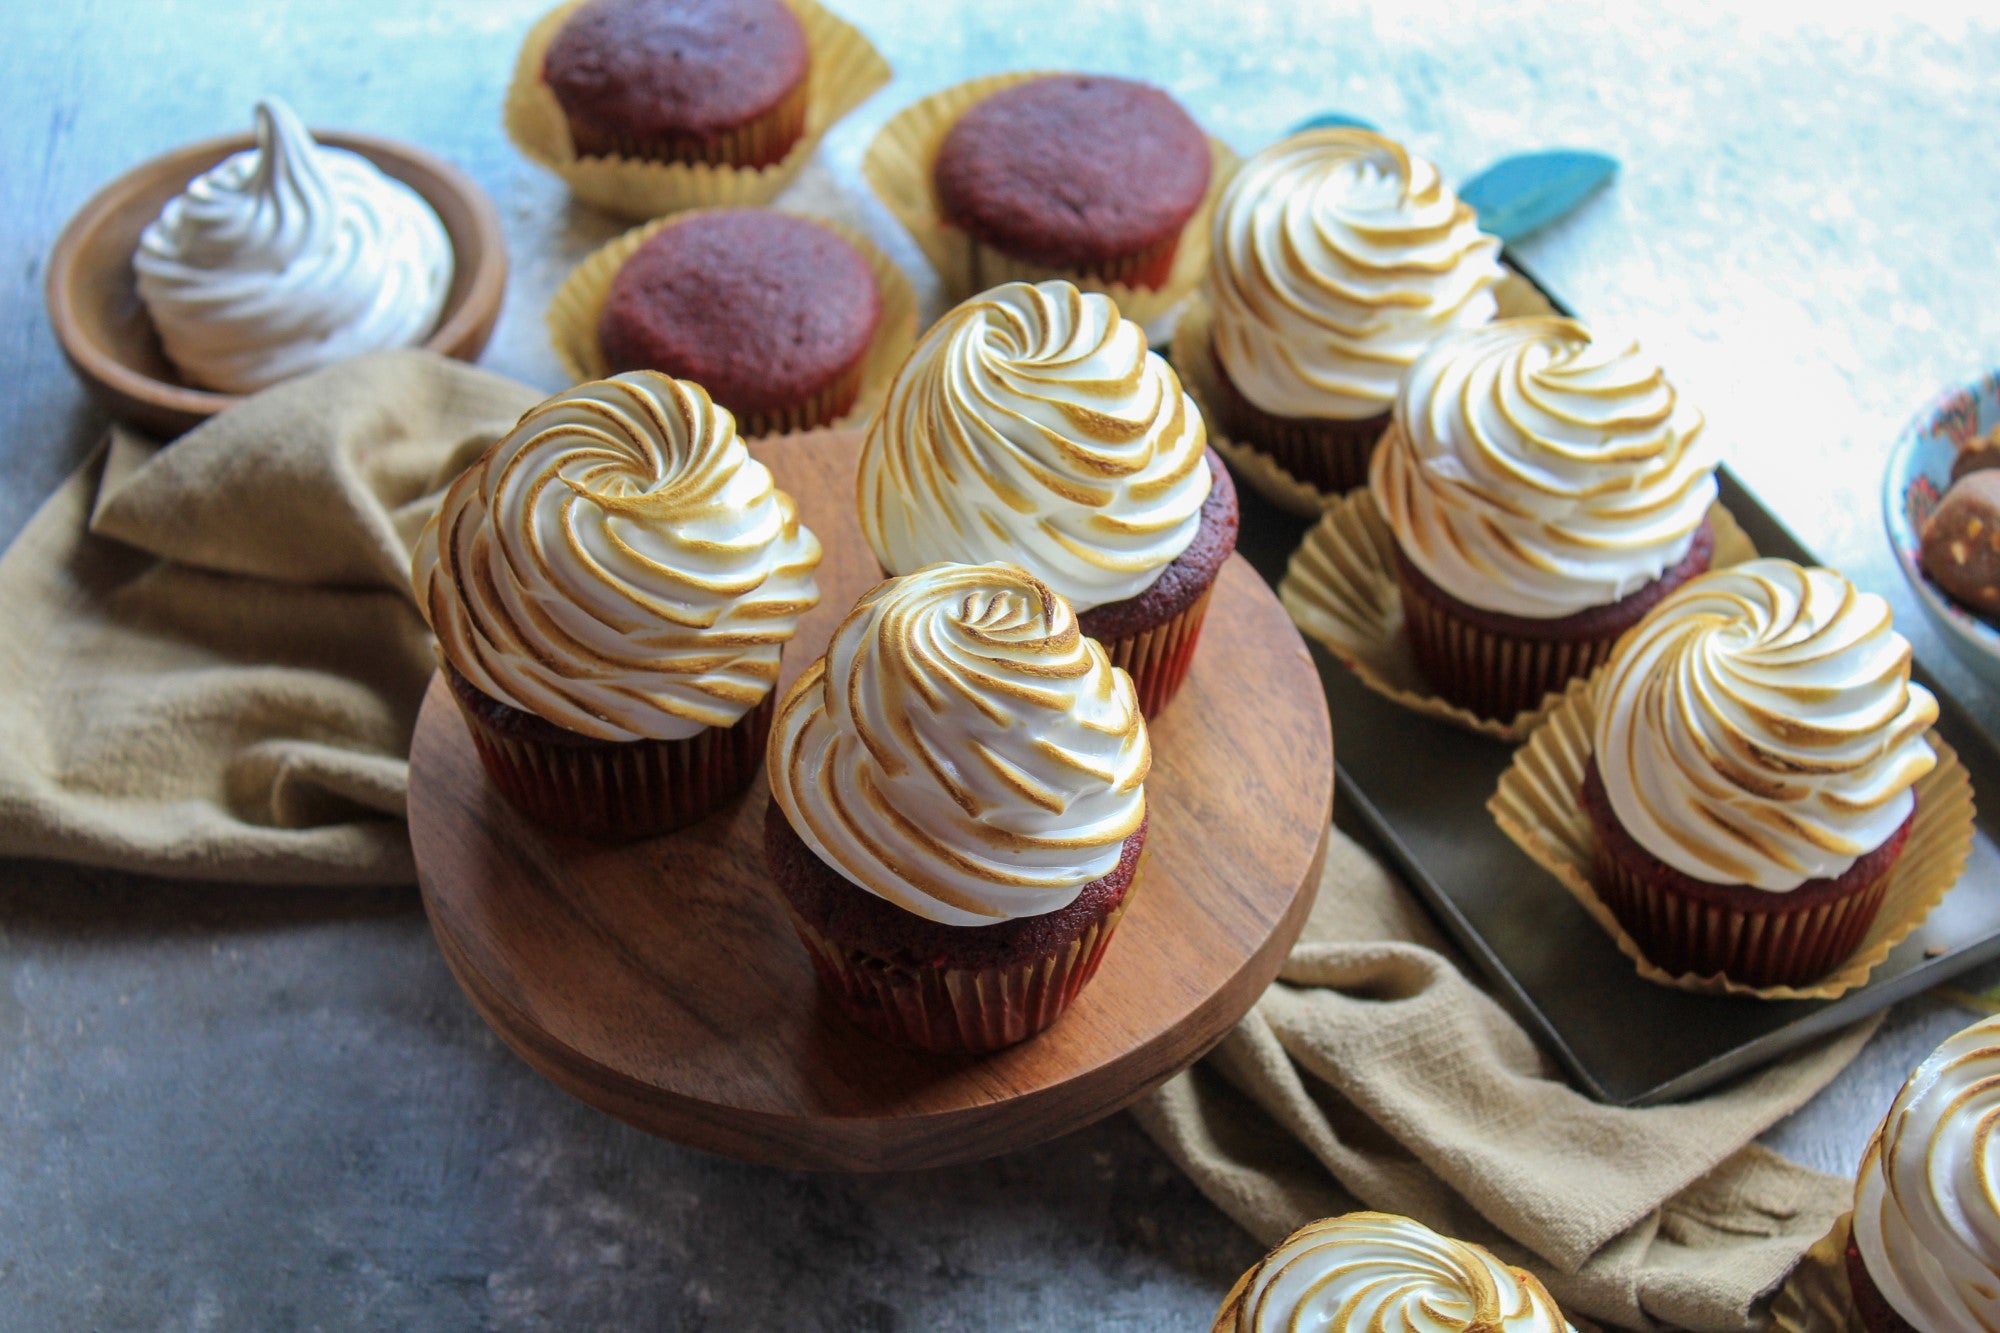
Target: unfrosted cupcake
point(1081, 173)
point(1380, 1273)
point(772, 314)
point(958, 806)
point(1925, 1246)
point(1339, 257)
point(721, 82)
point(1756, 745)
point(611, 585)
point(1031, 424)
point(1546, 487)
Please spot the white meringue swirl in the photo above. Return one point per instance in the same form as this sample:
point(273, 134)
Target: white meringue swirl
point(288, 257)
point(1536, 469)
point(963, 750)
point(1379, 1273)
point(1927, 1201)
point(1032, 424)
point(618, 564)
point(1339, 256)
point(1759, 727)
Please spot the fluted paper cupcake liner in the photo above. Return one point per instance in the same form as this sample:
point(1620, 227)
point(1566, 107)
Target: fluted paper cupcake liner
point(1289, 488)
point(898, 168)
point(574, 311)
point(1539, 805)
point(634, 789)
point(1341, 589)
point(1158, 659)
point(844, 68)
point(1816, 1297)
point(952, 1009)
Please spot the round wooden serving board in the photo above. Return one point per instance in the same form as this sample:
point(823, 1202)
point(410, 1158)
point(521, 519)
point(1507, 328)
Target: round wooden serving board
point(660, 982)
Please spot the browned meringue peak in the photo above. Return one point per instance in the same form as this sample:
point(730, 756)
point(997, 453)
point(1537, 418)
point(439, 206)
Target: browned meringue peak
point(1339, 256)
point(963, 750)
point(618, 564)
point(1032, 424)
point(1759, 727)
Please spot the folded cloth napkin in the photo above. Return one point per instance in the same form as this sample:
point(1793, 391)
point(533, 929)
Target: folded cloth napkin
point(212, 667)
point(211, 664)
point(1374, 1074)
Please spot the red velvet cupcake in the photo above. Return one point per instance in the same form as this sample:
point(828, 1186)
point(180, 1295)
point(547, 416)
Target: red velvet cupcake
point(1338, 258)
point(721, 82)
point(1083, 174)
point(1032, 425)
point(772, 314)
point(611, 585)
point(958, 808)
point(1545, 488)
point(1756, 745)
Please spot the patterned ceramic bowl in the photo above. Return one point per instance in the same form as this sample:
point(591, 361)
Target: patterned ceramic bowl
point(1919, 471)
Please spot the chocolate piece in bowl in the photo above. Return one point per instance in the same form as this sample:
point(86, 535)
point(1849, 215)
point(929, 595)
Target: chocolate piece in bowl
point(1961, 543)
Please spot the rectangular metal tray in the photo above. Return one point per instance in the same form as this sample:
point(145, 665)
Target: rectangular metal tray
point(1421, 786)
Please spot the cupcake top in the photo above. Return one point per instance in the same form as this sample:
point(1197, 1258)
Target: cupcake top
point(629, 73)
point(1073, 170)
point(618, 565)
point(762, 309)
point(1339, 256)
point(1032, 424)
point(963, 750)
point(1386, 1274)
point(1927, 1201)
point(288, 257)
point(1759, 727)
point(1537, 469)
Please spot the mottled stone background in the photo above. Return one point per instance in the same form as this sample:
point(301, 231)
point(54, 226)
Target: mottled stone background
point(234, 1108)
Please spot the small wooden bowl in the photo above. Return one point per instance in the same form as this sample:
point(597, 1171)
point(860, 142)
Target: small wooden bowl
point(103, 327)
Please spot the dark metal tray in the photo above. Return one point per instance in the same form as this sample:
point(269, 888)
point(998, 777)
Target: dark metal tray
point(1421, 786)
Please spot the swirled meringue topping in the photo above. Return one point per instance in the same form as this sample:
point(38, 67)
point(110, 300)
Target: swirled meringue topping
point(1536, 469)
point(1927, 1201)
point(1339, 257)
point(288, 257)
point(1759, 727)
point(963, 750)
point(1032, 424)
point(618, 564)
point(1386, 1274)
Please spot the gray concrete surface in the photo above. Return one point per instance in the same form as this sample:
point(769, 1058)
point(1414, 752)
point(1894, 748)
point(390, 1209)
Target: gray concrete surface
point(241, 1108)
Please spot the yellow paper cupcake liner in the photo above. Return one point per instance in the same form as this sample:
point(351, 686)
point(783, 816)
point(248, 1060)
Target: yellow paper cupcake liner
point(1194, 357)
point(1539, 805)
point(574, 310)
point(1340, 588)
point(1816, 1297)
point(898, 168)
point(844, 69)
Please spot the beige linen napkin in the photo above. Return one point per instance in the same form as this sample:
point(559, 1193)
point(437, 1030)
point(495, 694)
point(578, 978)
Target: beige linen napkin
point(210, 665)
point(1373, 1073)
point(210, 668)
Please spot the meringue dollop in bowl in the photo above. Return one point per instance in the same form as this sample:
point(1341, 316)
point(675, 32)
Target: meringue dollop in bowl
point(109, 339)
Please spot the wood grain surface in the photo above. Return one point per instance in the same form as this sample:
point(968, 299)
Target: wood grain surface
point(660, 982)
point(103, 328)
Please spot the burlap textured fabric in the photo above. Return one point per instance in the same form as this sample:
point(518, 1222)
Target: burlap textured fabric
point(211, 666)
point(1375, 1074)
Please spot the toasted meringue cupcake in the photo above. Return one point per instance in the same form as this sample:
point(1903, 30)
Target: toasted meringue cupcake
point(611, 586)
point(1380, 1273)
point(1339, 256)
point(1924, 1249)
point(1751, 782)
point(958, 804)
point(1032, 424)
point(1546, 487)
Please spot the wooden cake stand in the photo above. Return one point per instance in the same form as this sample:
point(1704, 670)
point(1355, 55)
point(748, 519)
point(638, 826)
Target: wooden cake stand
point(659, 981)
